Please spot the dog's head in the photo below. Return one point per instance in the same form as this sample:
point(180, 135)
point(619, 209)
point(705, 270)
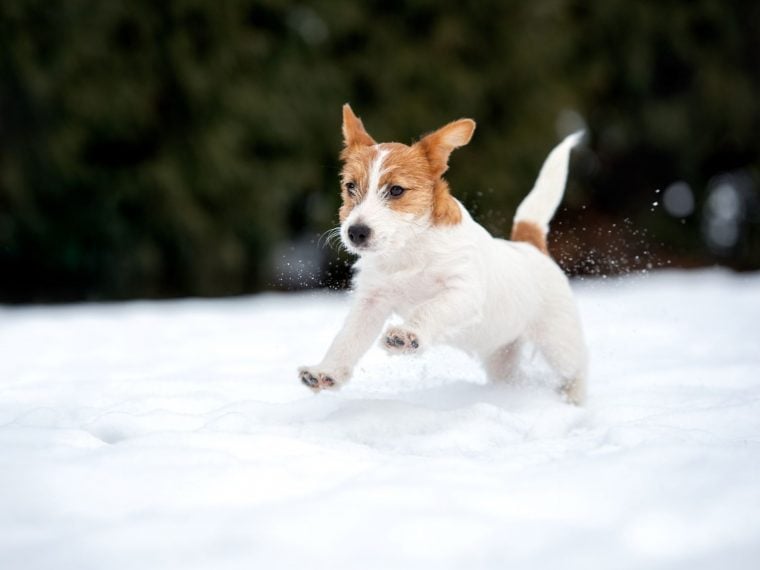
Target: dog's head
point(392, 192)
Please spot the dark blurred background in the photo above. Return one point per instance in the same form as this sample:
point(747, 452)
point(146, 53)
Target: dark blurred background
point(174, 148)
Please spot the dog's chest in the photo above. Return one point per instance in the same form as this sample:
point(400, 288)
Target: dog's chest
point(405, 288)
point(408, 291)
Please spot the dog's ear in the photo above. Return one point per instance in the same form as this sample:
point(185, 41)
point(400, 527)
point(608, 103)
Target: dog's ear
point(438, 145)
point(353, 129)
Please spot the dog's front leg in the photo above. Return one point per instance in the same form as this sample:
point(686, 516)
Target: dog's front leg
point(434, 320)
point(360, 329)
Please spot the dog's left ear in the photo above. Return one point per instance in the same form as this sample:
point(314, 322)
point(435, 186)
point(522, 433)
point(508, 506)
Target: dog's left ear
point(438, 145)
point(353, 129)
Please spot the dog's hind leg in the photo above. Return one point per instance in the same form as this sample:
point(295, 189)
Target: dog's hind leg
point(560, 339)
point(502, 363)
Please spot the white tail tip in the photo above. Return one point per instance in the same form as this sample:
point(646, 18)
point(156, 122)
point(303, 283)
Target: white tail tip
point(542, 201)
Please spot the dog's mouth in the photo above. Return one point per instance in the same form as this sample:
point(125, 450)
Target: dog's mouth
point(367, 247)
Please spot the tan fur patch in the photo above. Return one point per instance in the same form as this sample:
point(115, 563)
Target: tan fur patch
point(407, 167)
point(417, 168)
point(354, 132)
point(437, 147)
point(356, 164)
point(531, 233)
point(446, 211)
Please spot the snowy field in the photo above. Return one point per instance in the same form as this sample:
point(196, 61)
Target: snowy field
point(175, 435)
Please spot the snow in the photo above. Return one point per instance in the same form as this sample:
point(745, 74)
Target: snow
point(175, 435)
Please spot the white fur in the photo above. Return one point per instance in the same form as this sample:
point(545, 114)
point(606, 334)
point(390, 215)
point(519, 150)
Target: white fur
point(458, 285)
point(541, 203)
point(376, 170)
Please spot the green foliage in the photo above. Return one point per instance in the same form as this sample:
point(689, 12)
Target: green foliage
point(168, 148)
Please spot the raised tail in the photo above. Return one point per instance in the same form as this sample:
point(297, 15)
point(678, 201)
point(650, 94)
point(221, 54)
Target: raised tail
point(531, 223)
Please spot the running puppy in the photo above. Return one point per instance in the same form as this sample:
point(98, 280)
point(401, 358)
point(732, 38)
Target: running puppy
point(422, 257)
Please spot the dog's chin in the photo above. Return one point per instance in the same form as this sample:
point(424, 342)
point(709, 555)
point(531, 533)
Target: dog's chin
point(376, 252)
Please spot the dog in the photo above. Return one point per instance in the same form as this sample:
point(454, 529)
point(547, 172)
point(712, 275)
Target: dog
point(423, 258)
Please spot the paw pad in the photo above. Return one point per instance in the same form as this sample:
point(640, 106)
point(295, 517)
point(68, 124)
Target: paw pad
point(397, 340)
point(317, 380)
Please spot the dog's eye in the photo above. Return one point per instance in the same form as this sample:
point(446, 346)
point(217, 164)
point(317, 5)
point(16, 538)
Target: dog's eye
point(351, 188)
point(396, 191)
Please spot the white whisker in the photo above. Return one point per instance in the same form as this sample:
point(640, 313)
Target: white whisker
point(329, 238)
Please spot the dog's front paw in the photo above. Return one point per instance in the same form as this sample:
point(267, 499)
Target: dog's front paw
point(400, 341)
point(320, 380)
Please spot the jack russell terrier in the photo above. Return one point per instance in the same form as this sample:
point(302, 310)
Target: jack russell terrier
point(423, 257)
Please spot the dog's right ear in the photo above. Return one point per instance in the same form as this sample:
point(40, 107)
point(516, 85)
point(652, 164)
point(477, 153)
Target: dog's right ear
point(353, 129)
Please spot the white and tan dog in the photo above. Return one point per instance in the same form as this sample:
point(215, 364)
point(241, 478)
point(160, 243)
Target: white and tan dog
point(425, 259)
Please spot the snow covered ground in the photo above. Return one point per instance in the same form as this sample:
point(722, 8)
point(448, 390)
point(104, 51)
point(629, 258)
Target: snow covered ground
point(176, 435)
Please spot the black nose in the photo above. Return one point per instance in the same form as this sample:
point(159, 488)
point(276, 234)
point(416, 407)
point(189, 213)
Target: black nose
point(359, 234)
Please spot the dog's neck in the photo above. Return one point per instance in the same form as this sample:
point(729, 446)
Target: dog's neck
point(404, 262)
point(428, 248)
